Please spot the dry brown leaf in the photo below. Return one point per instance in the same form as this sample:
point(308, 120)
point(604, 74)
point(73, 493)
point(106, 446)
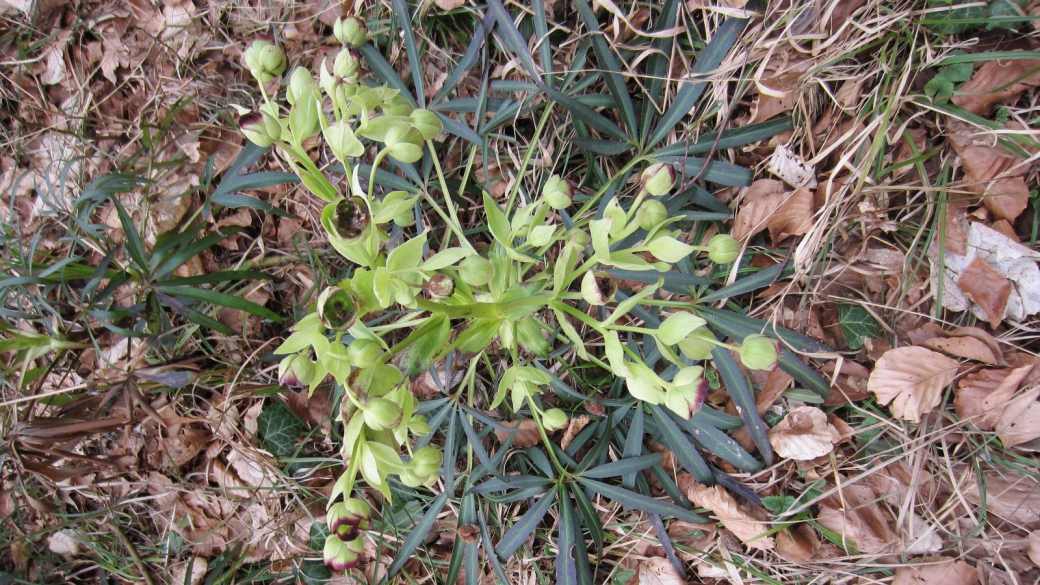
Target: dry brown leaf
point(658, 571)
point(1020, 421)
point(804, 434)
point(912, 379)
point(65, 543)
point(199, 566)
point(990, 171)
point(983, 396)
point(1034, 547)
point(997, 81)
point(797, 543)
point(742, 522)
point(783, 81)
point(447, 5)
point(956, 239)
point(793, 217)
point(1011, 495)
point(939, 571)
point(525, 437)
point(760, 201)
point(987, 288)
point(862, 524)
point(963, 347)
point(574, 426)
point(776, 382)
point(1006, 198)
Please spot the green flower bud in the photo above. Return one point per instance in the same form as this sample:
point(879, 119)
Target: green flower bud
point(343, 556)
point(351, 31)
point(381, 414)
point(557, 192)
point(418, 426)
point(362, 353)
point(651, 213)
point(759, 352)
point(426, 460)
point(347, 63)
point(264, 60)
point(529, 334)
point(476, 270)
point(427, 123)
point(723, 249)
point(340, 138)
point(295, 372)
point(554, 419)
point(337, 309)
point(698, 344)
point(441, 286)
point(349, 518)
point(689, 392)
point(404, 143)
point(260, 128)
point(301, 83)
point(658, 179)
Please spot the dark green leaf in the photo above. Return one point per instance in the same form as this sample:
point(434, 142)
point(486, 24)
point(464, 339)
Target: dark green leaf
point(214, 277)
point(719, 443)
point(404, 20)
point(518, 533)
point(591, 516)
point(608, 63)
point(417, 535)
point(747, 284)
point(510, 482)
point(222, 299)
point(676, 282)
point(857, 323)
point(731, 138)
point(677, 442)
point(566, 571)
point(743, 399)
point(468, 60)
point(235, 201)
point(585, 114)
point(384, 71)
point(641, 502)
point(607, 147)
point(721, 172)
point(280, 428)
point(133, 238)
point(623, 466)
point(514, 41)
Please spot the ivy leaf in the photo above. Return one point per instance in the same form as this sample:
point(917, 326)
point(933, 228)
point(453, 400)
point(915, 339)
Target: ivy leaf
point(280, 428)
point(778, 504)
point(857, 323)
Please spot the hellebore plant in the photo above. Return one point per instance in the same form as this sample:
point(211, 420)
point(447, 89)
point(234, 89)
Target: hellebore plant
point(520, 293)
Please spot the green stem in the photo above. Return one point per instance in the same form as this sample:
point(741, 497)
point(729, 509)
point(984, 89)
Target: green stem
point(372, 175)
point(527, 157)
point(453, 223)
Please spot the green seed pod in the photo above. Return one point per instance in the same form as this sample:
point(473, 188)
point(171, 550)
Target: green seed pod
point(337, 309)
point(427, 123)
point(351, 31)
point(351, 219)
point(557, 192)
point(347, 63)
point(260, 128)
point(404, 143)
point(554, 419)
point(651, 213)
point(476, 270)
point(381, 414)
point(723, 249)
point(264, 60)
point(362, 353)
point(759, 352)
point(658, 179)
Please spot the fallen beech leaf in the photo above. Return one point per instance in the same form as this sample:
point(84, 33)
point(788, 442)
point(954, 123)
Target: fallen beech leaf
point(790, 167)
point(574, 427)
point(997, 81)
point(793, 217)
point(912, 379)
point(776, 382)
point(1034, 547)
point(939, 571)
point(743, 523)
point(983, 396)
point(447, 5)
point(797, 543)
point(780, 92)
point(963, 347)
point(804, 434)
point(1011, 495)
point(920, 537)
point(1020, 420)
point(525, 437)
point(863, 524)
point(990, 171)
point(987, 288)
point(1006, 198)
point(759, 202)
point(658, 571)
point(65, 543)
point(956, 239)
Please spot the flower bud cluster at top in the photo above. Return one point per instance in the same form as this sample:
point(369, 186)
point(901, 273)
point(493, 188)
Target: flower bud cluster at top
point(534, 276)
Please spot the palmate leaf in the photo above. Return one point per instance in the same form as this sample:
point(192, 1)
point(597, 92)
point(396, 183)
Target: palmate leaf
point(523, 528)
point(640, 502)
point(609, 65)
point(280, 428)
point(857, 323)
point(738, 389)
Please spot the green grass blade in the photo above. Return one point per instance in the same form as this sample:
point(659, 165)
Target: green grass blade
point(221, 299)
point(690, 91)
point(468, 60)
point(418, 534)
point(609, 65)
point(404, 20)
point(738, 389)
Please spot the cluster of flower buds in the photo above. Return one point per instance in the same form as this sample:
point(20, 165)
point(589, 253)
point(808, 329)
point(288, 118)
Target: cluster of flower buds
point(344, 545)
point(424, 468)
point(264, 59)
